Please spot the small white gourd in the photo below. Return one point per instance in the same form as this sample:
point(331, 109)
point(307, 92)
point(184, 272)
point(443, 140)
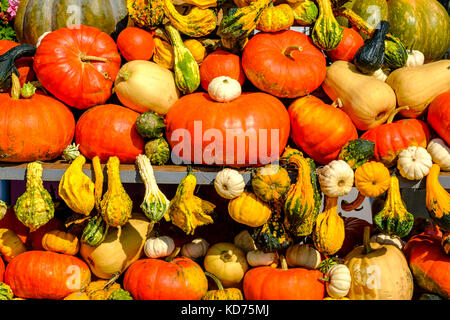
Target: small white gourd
point(158, 247)
point(336, 178)
point(414, 163)
point(195, 249)
point(415, 58)
point(440, 153)
point(229, 183)
point(224, 89)
point(257, 258)
point(380, 74)
point(302, 255)
point(339, 280)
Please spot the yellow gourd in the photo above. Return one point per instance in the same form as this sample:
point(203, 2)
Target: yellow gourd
point(76, 188)
point(197, 49)
point(437, 199)
point(163, 55)
point(98, 184)
point(248, 209)
point(147, 14)
point(10, 244)
point(60, 241)
point(276, 18)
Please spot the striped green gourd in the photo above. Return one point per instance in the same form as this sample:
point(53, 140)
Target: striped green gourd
point(326, 33)
point(357, 152)
point(95, 231)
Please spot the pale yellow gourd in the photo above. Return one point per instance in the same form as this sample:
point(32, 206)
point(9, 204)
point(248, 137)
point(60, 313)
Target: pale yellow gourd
point(336, 178)
point(257, 258)
point(440, 153)
point(302, 255)
point(224, 89)
point(414, 163)
point(10, 244)
point(158, 247)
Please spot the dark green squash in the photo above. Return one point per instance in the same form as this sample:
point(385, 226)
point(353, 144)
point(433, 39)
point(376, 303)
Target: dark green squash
point(150, 125)
point(326, 33)
point(95, 231)
point(326, 264)
point(158, 151)
point(370, 57)
point(357, 152)
point(7, 65)
point(395, 54)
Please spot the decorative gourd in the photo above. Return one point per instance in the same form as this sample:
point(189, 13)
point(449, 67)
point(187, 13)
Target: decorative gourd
point(109, 130)
point(227, 262)
point(259, 258)
point(440, 153)
point(370, 57)
point(145, 85)
point(378, 272)
point(429, 264)
point(272, 235)
point(229, 183)
point(46, 275)
point(198, 3)
point(297, 67)
point(157, 151)
point(271, 182)
point(338, 281)
point(372, 179)
point(305, 12)
point(60, 241)
point(197, 23)
point(303, 200)
point(148, 14)
point(224, 89)
point(439, 116)
point(366, 100)
point(437, 199)
point(2, 269)
point(302, 255)
point(98, 182)
point(120, 294)
point(188, 211)
point(329, 231)
point(248, 209)
point(10, 244)
point(163, 55)
point(332, 128)
point(349, 45)
point(415, 58)
point(101, 289)
point(95, 231)
point(5, 292)
point(275, 18)
point(195, 249)
point(357, 152)
point(428, 296)
point(244, 241)
point(326, 264)
point(150, 125)
point(34, 239)
point(326, 33)
point(118, 251)
point(187, 73)
point(135, 44)
point(380, 74)
point(65, 63)
point(336, 178)
point(35, 207)
point(70, 153)
point(392, 137)
point(414, 163)
point(221, 63)
point(268, 283)
point(382, 238)
point(413, 89)
point(155, 204)
point(395, 55)
point(221, 293)
point(197, 49)
point(116, 205)
point(76, 188)
point(158, 247)
point(394, 219)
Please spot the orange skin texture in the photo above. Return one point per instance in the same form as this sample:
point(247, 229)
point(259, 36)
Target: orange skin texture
point(39, 128)
point(320, 129)
point(35, 238)
point(349, 45)
point(136, 44)
point(155, 279)
point(221, 63)
point(11, 222)
point(46, 275)
point(24, 65)
point(439, 116)
point(391, 138)
point(267, 283)
point(255, 110)
point(60, 69)
point(109, 130)
point(270, 70)
point(2, 269)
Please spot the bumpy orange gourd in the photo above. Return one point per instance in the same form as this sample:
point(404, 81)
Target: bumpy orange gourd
point(60, 241)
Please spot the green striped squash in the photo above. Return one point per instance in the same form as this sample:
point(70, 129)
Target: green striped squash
point(95, 231)
point(326, 33)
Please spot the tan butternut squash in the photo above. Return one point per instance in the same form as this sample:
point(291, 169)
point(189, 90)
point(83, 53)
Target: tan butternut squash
point(367, 100)
point(416, 87)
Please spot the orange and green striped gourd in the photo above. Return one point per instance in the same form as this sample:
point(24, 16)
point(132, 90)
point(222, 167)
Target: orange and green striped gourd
point(437, 199)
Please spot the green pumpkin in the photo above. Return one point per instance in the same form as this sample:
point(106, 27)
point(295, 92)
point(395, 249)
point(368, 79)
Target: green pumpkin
point(395, 54)
point(221, 293)
point(326, 33)
point(394, 219)
point(35, 17)
point(35, 207)
point(120, 294)
point(95, 231)
point(187, 71)
point(326, 264)
point(5, 292)
point(158, 151)
point(305, 12)
point(271, 182)
point(150, 125)
point(357, 152)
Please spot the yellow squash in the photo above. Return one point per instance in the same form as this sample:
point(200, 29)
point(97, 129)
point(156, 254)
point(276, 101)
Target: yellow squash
point(276, 18)
point(437, 199)
point(249, 210)
point(10, 244)
point(60, 241)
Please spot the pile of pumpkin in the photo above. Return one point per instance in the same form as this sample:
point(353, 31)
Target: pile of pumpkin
point(124, 99)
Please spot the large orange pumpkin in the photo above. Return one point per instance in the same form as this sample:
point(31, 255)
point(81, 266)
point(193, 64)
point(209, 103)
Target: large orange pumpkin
point(38, 128)
point(2, 269)
point(155, 279)
point(285, 63)
point(320, 129)
point(24, 65)
point(258, 120)
point(109, 130)
point(78, 65)
point(439, 115)
point(46, 275)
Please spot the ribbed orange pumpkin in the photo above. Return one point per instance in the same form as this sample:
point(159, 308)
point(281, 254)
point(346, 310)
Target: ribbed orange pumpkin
point(46, 275)
point(109, 130)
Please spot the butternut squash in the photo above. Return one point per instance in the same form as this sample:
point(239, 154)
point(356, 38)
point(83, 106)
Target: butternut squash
point(367, 100)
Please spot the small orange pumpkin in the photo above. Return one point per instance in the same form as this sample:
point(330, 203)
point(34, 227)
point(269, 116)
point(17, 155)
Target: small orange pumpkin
point(60, 241)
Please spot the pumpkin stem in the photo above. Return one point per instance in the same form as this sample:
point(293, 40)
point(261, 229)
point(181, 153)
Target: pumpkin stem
point(15, 88)
point(216, 280)
point(123, 74)
point(85, 58)
point(172, 256)
point(394, 113)
point(366, 241)
point(324, 279)
point(350, 206)
point(112, 280)
point(289, 50)
point(283, 262)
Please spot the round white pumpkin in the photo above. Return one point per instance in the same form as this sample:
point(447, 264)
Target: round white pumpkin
point(256, 258)
point(158, 247)
point(415, 58)
point(339, 281)
point(302, 255)
point(336, 178)
point(414, 163)
point(195, 249)
point(440, 153)
point(224, 89)
point(229, 183)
